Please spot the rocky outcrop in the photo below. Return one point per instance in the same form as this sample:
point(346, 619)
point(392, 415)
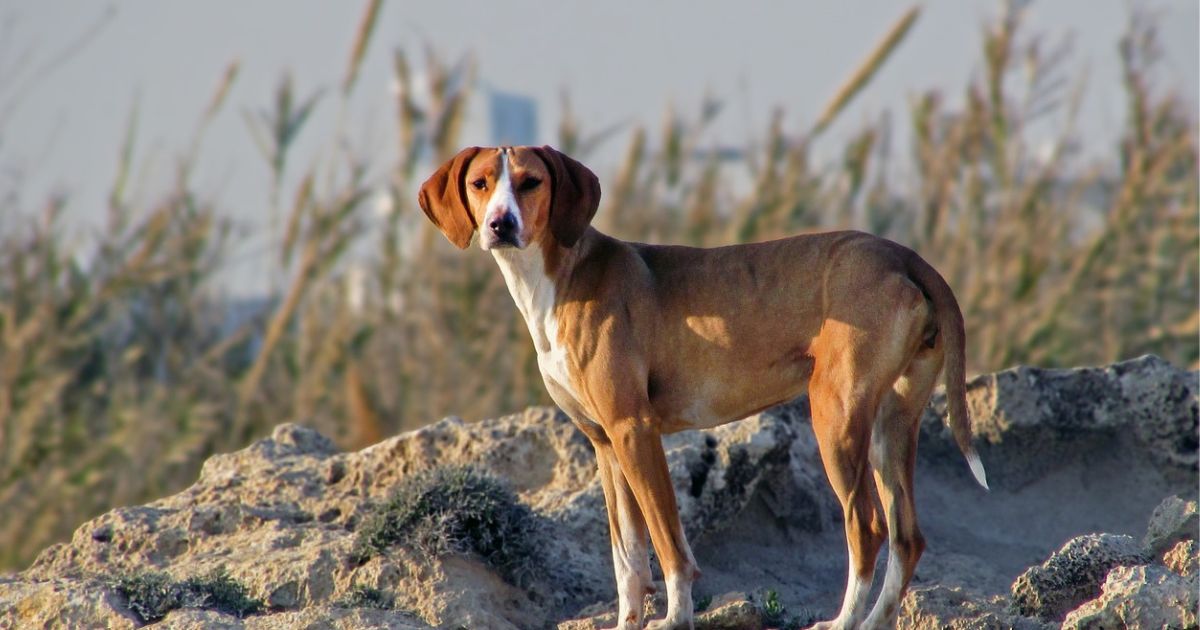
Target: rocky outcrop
point(280, 518)
point(1183, 559)
point(1071, 453)
point(1139, 597)
point(62, 603)
point(1109, 581)
point(1058, 418)
point(947, 608)
point(1073, 575)
point(1173, 521)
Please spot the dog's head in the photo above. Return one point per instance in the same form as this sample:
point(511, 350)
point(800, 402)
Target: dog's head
point(513, 196)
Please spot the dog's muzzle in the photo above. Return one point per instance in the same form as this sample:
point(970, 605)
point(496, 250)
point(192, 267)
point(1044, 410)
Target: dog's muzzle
point(502, 230)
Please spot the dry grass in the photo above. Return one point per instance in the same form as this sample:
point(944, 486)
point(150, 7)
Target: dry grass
point(116, 380)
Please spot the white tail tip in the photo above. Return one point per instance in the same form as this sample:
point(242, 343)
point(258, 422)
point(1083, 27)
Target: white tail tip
point(977, 469)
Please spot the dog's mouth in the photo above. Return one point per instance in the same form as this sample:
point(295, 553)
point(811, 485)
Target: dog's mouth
point(495, 241)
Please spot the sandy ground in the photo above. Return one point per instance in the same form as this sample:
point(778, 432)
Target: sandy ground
point(976, 539)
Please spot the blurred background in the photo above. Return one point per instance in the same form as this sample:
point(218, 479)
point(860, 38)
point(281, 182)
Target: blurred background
point(208, 221)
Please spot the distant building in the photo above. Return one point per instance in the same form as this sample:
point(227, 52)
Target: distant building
point(513, 118)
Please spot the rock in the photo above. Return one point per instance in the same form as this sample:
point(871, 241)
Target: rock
point(61, 603)
point(1183, 559)
point(185, 618)
point(730, 614)
point(1072, 575)
point(1139, 597)
point(945, 608)
point(317, 617)
point(717, 472)
point(280, 518)
point(1051, 417)
point(1174, 520)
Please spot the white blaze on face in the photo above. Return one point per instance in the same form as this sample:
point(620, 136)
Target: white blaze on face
point(502, 201)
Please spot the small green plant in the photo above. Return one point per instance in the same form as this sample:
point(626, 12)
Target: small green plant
point(702, 604)
point(776, 615)
point(361, 596)
point(217, 591)
point(152, 595)
point(773, 611)
point(455, 509)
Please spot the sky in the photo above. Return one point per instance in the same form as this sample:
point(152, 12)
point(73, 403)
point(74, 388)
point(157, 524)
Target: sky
point(72, 71)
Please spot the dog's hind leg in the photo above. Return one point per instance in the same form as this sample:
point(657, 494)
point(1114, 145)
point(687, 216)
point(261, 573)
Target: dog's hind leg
point(893, 457)
point(842, 418)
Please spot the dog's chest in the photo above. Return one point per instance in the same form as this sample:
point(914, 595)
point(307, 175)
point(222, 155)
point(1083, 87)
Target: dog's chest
point(533, 293)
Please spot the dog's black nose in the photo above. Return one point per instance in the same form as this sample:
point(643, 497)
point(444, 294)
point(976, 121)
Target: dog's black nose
point(503, 224)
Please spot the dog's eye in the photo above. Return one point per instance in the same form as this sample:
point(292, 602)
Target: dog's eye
point(528, 184)
point(480, 184)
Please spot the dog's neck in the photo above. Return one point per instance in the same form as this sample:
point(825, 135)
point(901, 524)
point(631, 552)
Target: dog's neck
point(534, 276)
point(532, 288)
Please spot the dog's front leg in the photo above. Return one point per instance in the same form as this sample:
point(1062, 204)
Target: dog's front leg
point(637, 446)
point(630, 539)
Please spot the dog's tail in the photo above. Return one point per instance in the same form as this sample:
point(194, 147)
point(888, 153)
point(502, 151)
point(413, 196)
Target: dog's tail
point(954, 336)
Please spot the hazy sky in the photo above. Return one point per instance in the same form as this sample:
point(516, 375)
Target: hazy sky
point(619, 61)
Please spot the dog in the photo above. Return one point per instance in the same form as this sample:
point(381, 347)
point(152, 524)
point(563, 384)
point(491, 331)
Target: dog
point(635, 341)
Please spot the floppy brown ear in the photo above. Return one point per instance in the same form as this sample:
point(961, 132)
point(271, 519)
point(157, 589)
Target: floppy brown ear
point(575, 195)
point(443, 197)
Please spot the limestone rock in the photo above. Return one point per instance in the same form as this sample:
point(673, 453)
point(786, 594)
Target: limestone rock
point(1052, 417)
point(1073, 574)
point(280, 518)
point(735, 614)
point(1174, 520)
point(317, 617)
point(717, 472)
point(1139, 597)
point(946, 608)
point(1183, 559)
point(60, 603)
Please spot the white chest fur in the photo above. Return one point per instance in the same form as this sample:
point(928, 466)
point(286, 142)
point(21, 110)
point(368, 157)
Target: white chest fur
point(525, 273)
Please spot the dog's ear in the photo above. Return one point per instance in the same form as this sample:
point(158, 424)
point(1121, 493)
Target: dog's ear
point(575, 195)
point(443, 197)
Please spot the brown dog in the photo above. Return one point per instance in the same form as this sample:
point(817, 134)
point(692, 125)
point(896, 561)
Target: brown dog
point(635, 341)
